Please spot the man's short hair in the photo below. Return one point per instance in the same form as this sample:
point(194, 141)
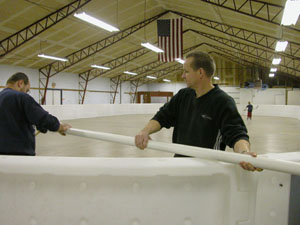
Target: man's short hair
point(16, 77)
point(203, 60)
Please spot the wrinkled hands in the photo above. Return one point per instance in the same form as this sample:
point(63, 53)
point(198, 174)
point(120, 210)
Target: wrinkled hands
point(63, 127)
point(249, 166)
point(141, 139)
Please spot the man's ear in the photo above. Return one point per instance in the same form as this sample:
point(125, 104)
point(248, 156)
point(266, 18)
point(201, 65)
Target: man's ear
point(20, 83)
point(201, 72)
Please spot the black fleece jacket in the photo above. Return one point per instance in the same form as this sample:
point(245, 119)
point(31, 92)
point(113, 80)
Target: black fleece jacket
point(210, 121)
point(18, 113)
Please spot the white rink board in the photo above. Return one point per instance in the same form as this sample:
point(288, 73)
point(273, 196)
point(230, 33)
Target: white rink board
point(69, 112)
point(138, 191)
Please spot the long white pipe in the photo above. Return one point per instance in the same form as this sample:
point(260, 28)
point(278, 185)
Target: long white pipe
point(204, 153)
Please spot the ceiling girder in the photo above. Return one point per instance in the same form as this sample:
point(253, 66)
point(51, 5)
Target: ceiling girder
point(26, 34)
point(293, 49)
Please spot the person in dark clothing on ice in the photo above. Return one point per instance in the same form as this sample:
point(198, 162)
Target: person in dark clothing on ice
point(202, 114)
point(18, 113)
point(249, 108)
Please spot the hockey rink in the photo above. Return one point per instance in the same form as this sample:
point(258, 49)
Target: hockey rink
point(267, 135)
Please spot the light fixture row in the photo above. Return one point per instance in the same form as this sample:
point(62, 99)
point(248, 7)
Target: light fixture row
point(52, 57)
point(127, 72)
point(90, 19)
point(290, 16)
point(291, 12)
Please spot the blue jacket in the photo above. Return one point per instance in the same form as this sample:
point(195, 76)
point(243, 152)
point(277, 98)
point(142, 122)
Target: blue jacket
point(18, 113)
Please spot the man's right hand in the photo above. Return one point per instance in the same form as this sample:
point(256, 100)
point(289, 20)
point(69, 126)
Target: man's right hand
point(141, 139)
point(63, 127)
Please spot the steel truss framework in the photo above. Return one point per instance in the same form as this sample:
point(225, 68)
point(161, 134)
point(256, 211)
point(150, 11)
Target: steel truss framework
point(21, 37)
point(133, 90)
point(247, 63)
point(53, 68)
point(113, 64)
point(246, 35)
point(142, 72)
point(255, 59)
point(263, 40)
point(83, 81)
point(151, 66)
point(114, 84)
point(292, 65)
point(262, 57)
point(251, 61)
point(239, 58)
point(265, 11)
point(162, 73)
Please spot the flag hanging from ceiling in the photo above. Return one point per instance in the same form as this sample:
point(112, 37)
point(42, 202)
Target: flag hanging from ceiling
point(170, 39)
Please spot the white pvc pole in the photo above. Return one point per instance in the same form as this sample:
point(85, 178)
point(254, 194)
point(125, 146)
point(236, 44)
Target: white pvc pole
point(204, 153)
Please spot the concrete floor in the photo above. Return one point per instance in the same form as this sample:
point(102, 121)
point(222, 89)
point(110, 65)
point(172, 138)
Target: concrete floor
point(267, 135)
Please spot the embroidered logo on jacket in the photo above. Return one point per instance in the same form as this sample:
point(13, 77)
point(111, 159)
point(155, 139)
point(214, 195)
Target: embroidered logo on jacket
point(206, 117)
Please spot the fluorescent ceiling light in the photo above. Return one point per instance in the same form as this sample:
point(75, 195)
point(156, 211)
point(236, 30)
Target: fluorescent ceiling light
point(151, 77)
point(100, 67)
point(52, 57)
point(166, 80)
point(291, 12)
point(94, 21)
point(276, 61)
point(179, 60)
point(271, 75)
point(152, 47)
point(280, 46)
point(130, 73)
point(273, 69)
point(216, 78)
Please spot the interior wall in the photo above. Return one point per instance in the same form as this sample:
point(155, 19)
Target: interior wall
point(100, 84)
point(293, 97)
point(172, 87)
point(67, 81)
point(124, 89)
point(270, 96)
point(68, 112)
point(63, 81)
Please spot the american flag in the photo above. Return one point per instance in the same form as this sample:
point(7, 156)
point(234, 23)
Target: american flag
point(170, 39)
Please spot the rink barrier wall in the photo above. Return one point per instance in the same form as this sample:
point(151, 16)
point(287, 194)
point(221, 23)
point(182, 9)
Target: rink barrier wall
point(69, 112)
point(140, 191)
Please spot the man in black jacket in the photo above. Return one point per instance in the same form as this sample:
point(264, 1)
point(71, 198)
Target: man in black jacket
point(202, 114)
point(18, 113)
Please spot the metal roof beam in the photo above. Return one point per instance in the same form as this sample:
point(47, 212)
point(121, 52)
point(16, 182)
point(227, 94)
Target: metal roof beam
point(268, 12)
point(21, 37)
point(53, 68)
point(293, 49)
point(286, 61)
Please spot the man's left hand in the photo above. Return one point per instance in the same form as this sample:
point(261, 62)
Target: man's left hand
point(249, 166)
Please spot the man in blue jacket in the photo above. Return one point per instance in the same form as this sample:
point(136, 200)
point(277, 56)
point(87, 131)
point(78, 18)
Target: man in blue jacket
point(18, 113)
point(202, 114)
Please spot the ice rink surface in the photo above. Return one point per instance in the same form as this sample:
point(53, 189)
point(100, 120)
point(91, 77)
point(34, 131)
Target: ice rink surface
point(267, 135)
